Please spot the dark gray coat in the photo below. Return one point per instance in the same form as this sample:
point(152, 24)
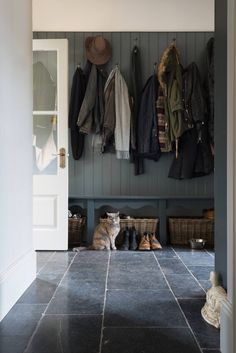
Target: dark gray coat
point(194, 155)
point(148, 142)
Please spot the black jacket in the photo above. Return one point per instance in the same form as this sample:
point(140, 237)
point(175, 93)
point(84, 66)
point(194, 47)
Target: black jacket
point(210, 87)
point(78, 89)
point(194, 155)
point(148, 142)
point(136, 90)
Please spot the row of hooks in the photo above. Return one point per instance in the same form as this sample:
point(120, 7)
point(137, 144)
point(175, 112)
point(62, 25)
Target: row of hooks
point(136, 39)
point(173, 40)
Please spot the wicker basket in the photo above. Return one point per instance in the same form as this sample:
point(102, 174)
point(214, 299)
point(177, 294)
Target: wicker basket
point(183, 229)
point(76, 228)
point(208, 213)
point(141, 225)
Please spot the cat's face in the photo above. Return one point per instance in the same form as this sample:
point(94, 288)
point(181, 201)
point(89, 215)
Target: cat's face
point(113, 218)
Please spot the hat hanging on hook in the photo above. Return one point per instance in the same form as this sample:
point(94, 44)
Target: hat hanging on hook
point(98, 50)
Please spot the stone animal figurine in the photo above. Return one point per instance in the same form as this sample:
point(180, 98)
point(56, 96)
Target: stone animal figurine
point(214, 298)
point(106, 232)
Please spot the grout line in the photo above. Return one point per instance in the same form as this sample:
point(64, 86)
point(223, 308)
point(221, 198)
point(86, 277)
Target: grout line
point(209, 253)
point(45, 262)
point(211, 349)
point(72, 314)
point(189, 271)
point(179, 305)
point(148, 327)
point(199, 265)
point(104, 304)
point(43, 314)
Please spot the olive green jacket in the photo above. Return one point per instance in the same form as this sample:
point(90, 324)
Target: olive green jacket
point(171, 79)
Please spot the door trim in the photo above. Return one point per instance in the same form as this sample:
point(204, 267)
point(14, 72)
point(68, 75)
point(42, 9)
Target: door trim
point(228, 313)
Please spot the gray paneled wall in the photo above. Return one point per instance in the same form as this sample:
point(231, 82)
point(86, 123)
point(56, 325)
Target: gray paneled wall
point(96, 174)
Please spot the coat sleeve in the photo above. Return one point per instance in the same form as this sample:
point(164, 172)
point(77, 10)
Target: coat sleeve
point(176, 105)
point(76, 97)
point(85, 118)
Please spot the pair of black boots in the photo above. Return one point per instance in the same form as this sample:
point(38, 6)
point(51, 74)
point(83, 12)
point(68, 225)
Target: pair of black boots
point(129, 239)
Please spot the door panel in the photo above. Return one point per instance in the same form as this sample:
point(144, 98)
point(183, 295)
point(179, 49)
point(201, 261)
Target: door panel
point(50, 135)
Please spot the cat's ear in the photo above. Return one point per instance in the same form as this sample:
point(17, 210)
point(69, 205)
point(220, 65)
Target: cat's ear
point(108, 214)
point(117, 214)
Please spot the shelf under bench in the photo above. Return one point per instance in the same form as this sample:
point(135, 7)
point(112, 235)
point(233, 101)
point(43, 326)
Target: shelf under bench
point(160, 203)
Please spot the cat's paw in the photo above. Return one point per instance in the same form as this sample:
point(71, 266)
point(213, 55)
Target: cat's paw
point(114, 248)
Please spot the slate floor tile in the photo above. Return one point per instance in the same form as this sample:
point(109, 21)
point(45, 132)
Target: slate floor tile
point(211, 252)
point(136, 340)
point(39, 292)
point(186, 249)
point(88, 267)
point(211, 351)
point(173, 266)
point(142, 309)
point(55, 267)
point(63, 256)
point(165, 253)
point(13, 344)
point(51, 278)
point(84, 299)
point(185, 286)
point(73, 277)
point(201, 272)
point(69, 334)
point(205, 284)
point(44, 256)
point(195, 258)
point(132, 257)
point(136, 279)
point(207, 335)
point(91, 256)
point(21, 320)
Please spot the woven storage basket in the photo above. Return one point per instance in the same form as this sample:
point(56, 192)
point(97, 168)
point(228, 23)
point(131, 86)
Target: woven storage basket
point(183, 229)
point(76, 228)
point(208, 213)
point(141, 225)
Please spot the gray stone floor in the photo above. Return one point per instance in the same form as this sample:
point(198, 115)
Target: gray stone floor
point(113, 302)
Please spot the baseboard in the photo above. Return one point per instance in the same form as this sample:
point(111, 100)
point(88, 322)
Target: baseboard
point(15, 280)
point(227, 328)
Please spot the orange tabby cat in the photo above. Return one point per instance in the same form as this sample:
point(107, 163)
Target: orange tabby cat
point(106, 232)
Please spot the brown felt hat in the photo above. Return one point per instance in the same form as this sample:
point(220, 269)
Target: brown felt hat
point(98, 50)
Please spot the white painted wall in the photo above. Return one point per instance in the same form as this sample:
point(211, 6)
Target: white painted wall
point(17, 258)
point(123, 15)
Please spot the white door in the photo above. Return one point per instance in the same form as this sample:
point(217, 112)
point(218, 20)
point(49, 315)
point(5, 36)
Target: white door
point(50, 142)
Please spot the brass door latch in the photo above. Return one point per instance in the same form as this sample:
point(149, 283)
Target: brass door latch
point(63, 155)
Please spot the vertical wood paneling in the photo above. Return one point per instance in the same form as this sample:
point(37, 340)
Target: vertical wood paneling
point(96, 174)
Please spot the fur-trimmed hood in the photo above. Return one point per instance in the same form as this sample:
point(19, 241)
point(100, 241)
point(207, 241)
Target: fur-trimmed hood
point(170, 59)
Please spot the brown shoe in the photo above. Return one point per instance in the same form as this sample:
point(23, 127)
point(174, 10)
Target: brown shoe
point(144, 243)
point(154, 243)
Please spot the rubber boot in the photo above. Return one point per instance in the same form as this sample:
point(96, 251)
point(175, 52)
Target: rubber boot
point(133, 239)
point(125, 245)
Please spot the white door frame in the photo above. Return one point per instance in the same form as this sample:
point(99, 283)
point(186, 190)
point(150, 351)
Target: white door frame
point(228, 315)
